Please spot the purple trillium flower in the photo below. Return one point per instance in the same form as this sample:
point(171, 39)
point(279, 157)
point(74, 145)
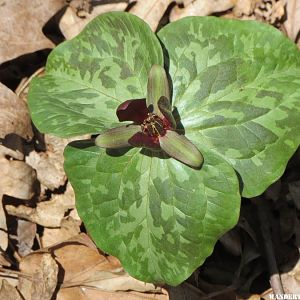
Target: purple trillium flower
point(153, 125)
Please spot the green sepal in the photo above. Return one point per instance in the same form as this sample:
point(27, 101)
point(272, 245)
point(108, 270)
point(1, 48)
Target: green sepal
point(157, 86)
point(165, 107)
point(117, 137)
point(180, 148)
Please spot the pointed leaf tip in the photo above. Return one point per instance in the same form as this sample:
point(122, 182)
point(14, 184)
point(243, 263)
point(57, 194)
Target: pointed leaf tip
point(157, 86)
point(117, 137)
point(180, 148)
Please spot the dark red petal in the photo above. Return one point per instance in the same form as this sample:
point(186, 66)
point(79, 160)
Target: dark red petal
point(142, 140)
point(133, 110)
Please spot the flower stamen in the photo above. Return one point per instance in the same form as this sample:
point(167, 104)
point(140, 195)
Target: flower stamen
point(153, 125)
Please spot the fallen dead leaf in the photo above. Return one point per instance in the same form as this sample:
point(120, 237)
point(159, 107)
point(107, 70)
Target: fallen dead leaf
point(291, 280)
point(14, 114)
point(44, 271)
point(74, 214)
point(270, 11)
point(46, 213)
point(17, 177)
point(245, 7)
point(150, 11)
point(17, 180)
point(67, 198)
point(12, 279)
point(3, 233)
point(95, 270)
point(21, 25)
point(82, 7)
point(292, 23)
point(95, 276)
point(69, 228)
point(200, 8)
point(86, 259)
point(8, 292)
point(26, 232)
point(84, 269)
point(111, 281)
point(4, 258)
point(45, 279)
point(71, 24)
point(23, 87)
point(79, 293)
point(49, 164)
point(291, 277)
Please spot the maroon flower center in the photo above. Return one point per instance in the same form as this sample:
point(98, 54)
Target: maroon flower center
point(154, 126)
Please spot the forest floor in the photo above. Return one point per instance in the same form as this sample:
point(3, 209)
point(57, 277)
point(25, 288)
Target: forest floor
point(45, 252)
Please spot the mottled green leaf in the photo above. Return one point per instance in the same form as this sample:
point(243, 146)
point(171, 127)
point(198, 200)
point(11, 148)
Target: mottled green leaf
point(235, 95)
point(160, 217)
point(236, 87)
point(89, 76)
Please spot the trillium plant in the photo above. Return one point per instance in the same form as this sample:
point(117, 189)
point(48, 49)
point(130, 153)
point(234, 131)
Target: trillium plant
point(184, 122)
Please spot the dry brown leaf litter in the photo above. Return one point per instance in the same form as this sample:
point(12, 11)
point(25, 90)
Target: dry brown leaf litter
point(150, 11)
point(69, 227)
point(200, 8)
point(43, 272)
point(26, 233)
point(72, 24)
point(49, 164)
point(91, 283)
point(17, 180)
point(21, 24)
point(14, 116)
point(46, 213)
point(45, 278)
point(91, 271)
point(292, 23)
point(8, 292)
